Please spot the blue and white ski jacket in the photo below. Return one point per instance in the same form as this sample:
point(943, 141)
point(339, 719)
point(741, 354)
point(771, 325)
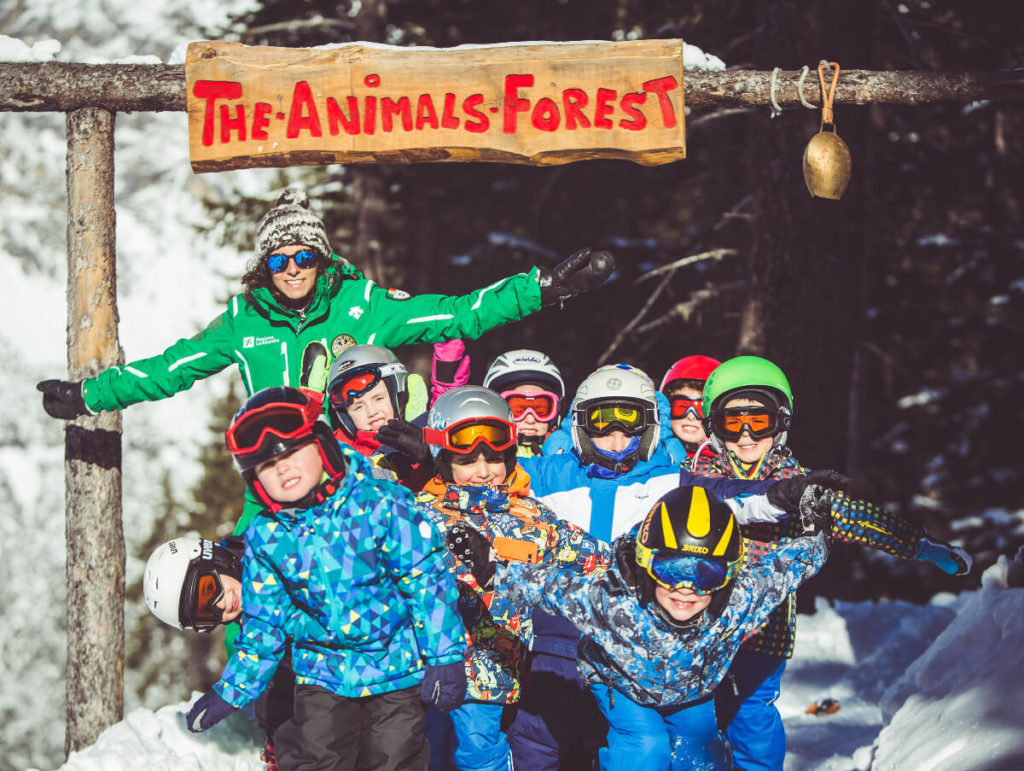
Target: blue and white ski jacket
point(357, 585)
point(607, 508)
point(629, 647)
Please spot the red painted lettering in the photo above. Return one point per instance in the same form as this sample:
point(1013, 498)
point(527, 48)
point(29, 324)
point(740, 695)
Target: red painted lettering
point(426, 115)
point(302, 102)
point(573, 102)
point(370, 115)
point(661, 87)
point(481, 122)
point(389, 108)
point(603, 108)
point(636, 121)
point(546, 116)
point(512, 102)
point(227, 123)
point(260, 121)
point(211, 91)
point(337, 120)
point(448, 119)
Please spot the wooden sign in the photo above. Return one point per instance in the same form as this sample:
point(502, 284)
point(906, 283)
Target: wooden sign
point(535, 103)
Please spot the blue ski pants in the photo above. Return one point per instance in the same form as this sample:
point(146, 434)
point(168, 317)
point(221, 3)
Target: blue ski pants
point(748, 713)
point(660, 738)
point(481, 744)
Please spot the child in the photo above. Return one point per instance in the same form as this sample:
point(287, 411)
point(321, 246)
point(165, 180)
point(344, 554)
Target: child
point(342, 568)
point(481, 493)
point(662, 624)
point(683, 384)
point(748, 408)
point(194, 583)
point(532, 385)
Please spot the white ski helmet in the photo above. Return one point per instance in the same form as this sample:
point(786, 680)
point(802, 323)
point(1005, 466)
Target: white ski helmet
point(513, 368)
point(616, 385)
point(366, 359)
point(168, 581)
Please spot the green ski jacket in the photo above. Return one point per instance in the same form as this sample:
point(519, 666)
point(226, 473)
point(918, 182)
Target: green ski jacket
point(267, 341)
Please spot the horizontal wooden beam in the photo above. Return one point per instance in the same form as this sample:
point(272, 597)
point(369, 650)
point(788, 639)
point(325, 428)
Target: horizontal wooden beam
point(63, 87)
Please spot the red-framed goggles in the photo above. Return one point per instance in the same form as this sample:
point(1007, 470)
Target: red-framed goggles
point(683, 405)
point(199, 597)
point(284, 419)
point(629, 416)
point(359, 382)
point(731, 422)
point(674, 571)
point(543, 404)
point(464, 436)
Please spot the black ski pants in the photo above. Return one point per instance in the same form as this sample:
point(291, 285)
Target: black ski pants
point(328, 732)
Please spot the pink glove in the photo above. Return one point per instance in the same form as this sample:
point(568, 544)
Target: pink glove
point(449, 368)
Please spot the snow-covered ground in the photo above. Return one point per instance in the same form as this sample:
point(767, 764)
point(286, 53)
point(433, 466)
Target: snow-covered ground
point(938, 687)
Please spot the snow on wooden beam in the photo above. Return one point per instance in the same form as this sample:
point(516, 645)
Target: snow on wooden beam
point(62, 87)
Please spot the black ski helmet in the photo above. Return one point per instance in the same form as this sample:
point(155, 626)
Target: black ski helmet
point(275, 421)
point(689, 522)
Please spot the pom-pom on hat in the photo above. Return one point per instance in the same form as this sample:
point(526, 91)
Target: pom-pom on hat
point(291, 222)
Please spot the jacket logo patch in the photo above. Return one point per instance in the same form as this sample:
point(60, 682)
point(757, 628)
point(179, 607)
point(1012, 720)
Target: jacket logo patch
point(355, 312)
point(248, 342)
point(340, 343)
point(398, 294)
point(253, 342)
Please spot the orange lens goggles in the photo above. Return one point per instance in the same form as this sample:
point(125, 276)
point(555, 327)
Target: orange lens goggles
point(209, 590)
point(758, 421)
point(464, 436)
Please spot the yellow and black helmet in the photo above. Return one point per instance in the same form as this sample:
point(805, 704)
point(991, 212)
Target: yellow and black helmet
point(690, 539)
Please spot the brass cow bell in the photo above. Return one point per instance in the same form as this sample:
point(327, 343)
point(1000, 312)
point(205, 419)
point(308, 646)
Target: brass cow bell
point(827, 165)
point(827, 161)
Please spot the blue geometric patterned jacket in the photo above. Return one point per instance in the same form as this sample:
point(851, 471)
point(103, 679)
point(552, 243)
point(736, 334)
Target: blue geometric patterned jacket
point(357, 585)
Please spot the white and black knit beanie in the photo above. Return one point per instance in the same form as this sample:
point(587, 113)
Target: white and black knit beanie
point(291, 222)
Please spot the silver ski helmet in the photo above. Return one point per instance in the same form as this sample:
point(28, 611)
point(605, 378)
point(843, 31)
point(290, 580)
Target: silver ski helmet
point(171, 578)
point(464, 418)
point(354, 372)
point(594, 413)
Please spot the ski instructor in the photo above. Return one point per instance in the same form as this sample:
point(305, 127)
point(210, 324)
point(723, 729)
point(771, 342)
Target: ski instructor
point(303, 305)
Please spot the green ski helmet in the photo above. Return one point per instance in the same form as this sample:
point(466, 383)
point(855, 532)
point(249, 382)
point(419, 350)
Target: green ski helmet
point(750, 376)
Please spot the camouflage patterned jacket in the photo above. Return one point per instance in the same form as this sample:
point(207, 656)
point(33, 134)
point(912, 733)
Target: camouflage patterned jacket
point(520, 529)
point(629, 647)
point(853, 521)
point(357, 585)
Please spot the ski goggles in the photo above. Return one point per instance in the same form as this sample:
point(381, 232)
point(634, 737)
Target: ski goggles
point(303, 259)
point(684, 405)
point(543, 405)
point(464, 436)
point(672, 571)
point(731, 422)
point(199, 598)
point(601, 419)
point(285, 420)
point(360, 382)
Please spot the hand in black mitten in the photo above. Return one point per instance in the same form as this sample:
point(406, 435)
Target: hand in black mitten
point(63, 399)
point(208, 710)
point(473, 550)
point(582, 271)
point(816, 509)
point(405, 438)
point(444, 686)
point(787, 494)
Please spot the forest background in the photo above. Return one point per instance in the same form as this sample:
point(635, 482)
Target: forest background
point(897, 312)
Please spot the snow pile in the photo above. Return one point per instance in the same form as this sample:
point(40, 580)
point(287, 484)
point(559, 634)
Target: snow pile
point(961, 704)
point(14, 50)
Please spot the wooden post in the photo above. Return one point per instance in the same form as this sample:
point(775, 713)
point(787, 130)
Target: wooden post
point(95, 541)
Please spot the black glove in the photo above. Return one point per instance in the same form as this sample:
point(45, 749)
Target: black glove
point(816, 509)
point(579, 273)
point(208, 710)
point(473, 550)
point(405, 438)
point(62, 399)
point(787, 494)
point(444, 686)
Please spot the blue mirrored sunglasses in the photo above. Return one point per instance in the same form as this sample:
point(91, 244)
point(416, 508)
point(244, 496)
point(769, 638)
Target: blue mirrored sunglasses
point(304, 259)
point(703, 576)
